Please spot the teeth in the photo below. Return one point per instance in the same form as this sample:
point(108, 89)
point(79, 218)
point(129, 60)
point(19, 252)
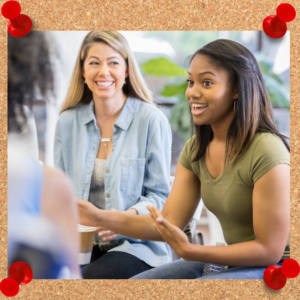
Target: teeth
point(104, 84)
point(198, 105)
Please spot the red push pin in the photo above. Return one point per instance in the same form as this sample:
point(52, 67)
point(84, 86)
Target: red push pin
point(275, 26)
point(19, 25)
point(275, 277)
point(19, 273)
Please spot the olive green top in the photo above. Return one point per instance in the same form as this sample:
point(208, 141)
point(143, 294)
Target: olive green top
point(229, 196)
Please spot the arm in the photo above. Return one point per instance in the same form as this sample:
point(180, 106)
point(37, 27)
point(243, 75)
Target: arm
point(58, 206)
point(271, 211)
point(179, 208)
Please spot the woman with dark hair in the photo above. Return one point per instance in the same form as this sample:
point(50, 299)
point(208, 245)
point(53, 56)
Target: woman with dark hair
point(237, 161)
point(41, 205)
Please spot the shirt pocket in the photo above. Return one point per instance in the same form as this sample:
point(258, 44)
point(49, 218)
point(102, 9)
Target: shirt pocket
point(132, 178)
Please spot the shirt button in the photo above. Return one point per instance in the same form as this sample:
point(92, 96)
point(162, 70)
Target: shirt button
point(107, 171)
point(116, 126)
point(107, 195)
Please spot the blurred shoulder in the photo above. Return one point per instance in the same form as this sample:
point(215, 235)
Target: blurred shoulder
point(55, 181)
point(73, 113)
point(151, 111)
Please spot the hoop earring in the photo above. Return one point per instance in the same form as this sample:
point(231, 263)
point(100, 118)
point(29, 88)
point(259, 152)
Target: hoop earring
point(235, 106)
point(84, 80)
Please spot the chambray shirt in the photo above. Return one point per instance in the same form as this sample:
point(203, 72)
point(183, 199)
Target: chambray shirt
point(137, 171)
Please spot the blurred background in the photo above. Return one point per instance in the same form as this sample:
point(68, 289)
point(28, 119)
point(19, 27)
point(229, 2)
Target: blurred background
point(163, 59)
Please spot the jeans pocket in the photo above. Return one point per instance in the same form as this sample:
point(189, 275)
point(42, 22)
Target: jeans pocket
point(132, 178)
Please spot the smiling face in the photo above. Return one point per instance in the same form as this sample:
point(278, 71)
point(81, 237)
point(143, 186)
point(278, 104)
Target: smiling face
point(209, 92)
point(105, 71)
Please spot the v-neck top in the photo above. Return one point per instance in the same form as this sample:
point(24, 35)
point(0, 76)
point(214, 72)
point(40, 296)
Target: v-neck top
point(229, 196)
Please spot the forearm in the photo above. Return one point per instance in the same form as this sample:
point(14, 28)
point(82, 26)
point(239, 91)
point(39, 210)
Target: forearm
point(138, 227)
point(245, 254)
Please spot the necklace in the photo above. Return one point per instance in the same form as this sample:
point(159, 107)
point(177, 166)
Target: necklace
point(105, 140)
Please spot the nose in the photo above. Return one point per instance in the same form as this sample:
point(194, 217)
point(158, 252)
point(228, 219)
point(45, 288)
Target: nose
point(104, 70)
point(193, 93)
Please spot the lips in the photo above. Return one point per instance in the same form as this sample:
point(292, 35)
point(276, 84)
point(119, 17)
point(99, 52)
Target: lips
point(198, 108)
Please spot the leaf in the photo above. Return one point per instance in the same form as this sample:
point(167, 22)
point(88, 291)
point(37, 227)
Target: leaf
point(279, 95)
point(163, 67)
point(174, 89)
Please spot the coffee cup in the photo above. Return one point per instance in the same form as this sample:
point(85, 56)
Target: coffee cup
point(87, 234)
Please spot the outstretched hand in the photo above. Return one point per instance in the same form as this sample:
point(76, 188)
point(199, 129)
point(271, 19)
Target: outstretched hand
point(172, 235)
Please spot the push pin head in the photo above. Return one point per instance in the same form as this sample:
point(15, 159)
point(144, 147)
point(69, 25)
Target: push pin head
point(21, 272)
point(19, 25)
point(275, 277)
point(275, 26)
point(9, 287)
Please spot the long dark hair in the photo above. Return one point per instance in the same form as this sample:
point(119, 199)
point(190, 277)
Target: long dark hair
point(254, 112)
point(30, 71)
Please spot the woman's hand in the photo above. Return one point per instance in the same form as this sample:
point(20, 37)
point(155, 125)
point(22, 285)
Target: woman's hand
point(109, 235)
point(172, 235)
point(89, 214)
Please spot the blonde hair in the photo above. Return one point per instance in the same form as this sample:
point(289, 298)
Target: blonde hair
point(135, 86)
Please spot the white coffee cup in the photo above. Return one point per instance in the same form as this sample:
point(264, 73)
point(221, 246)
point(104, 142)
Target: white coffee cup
point(87, 234)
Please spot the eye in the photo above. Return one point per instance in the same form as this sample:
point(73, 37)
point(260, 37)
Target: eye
point(93, 62)
point(114, 63)
point(207, 83)
point(190, 82)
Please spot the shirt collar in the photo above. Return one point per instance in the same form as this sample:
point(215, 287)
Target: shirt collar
point(125, 118)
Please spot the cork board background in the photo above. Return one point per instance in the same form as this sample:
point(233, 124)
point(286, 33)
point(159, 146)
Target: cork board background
point(56, 15)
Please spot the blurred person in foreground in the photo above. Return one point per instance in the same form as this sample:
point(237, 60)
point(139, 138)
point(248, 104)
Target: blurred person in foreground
point(42, 216)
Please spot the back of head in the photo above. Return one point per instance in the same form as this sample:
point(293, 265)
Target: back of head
point(135, 86)
point(30, 73)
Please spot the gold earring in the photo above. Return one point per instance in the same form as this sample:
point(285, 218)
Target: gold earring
point(235, 106)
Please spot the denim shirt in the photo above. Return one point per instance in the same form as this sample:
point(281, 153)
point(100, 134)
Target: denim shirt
point(137, 171)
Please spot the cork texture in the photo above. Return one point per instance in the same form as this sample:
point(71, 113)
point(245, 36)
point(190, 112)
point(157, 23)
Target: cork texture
point(244, 15)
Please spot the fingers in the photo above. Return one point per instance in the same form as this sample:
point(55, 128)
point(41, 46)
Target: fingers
point(153, 212)
point(110, 237)
point(106, 233)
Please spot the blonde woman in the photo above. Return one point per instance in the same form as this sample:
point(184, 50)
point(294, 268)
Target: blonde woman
point(115, 145)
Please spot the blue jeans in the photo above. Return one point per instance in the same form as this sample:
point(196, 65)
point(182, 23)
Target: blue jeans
point(181, 269)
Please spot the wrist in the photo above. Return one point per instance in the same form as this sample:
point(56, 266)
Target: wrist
point(131, 212)
point(185, 251)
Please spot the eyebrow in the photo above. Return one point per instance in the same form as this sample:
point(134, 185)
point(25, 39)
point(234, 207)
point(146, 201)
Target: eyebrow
point(112, 57)
point(207, 72)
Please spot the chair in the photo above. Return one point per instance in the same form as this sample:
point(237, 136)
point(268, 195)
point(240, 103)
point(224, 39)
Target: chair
point(194, 236)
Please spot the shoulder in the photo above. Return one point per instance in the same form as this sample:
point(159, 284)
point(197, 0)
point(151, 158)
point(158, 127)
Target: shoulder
point(268, 144)
point(54, 180)
point(151, 112)
point(72, 114)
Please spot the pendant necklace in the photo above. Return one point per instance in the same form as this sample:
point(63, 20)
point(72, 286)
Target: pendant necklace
point(105, 140)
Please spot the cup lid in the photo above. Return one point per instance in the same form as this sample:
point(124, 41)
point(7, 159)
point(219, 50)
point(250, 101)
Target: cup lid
point(83, 228)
